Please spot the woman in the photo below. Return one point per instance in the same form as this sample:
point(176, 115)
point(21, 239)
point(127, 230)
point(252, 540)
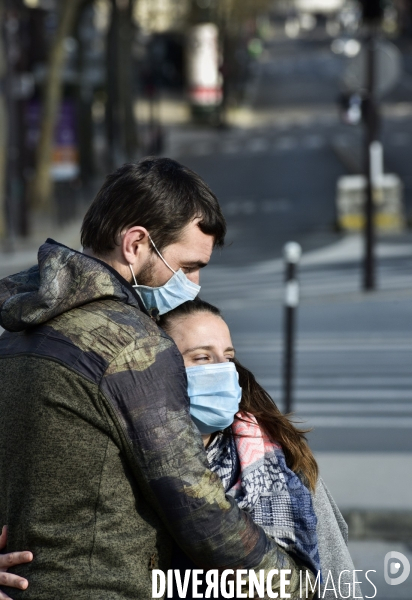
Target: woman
point(315, 530)
point(280, 486)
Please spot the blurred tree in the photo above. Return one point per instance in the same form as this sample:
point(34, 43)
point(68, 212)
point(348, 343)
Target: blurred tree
point(404, 8)
point(41, 191)
point(121, 128)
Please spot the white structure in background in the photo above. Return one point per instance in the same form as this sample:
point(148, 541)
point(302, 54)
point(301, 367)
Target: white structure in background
point(319, 6)
point(203, 75)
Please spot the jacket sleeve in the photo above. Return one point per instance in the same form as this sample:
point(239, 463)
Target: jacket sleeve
point(146, 390)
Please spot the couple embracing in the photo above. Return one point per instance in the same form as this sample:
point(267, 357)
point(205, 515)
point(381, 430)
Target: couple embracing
point(131, 439)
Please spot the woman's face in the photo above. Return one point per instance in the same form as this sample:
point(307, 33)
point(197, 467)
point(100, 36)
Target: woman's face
point(202, 339)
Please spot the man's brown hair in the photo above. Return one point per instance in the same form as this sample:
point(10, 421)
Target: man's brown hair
point(159, 194)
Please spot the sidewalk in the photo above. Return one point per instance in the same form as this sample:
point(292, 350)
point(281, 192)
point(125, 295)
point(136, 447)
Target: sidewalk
point(373, 490)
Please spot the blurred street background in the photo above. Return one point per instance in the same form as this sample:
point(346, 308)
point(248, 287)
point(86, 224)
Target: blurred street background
point(298, 114)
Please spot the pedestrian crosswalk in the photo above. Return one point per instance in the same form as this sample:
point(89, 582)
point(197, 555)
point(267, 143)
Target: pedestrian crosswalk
point(260, 285)
point(322, 63)
point(342, 381)
point(247, 144)
point(270, 141)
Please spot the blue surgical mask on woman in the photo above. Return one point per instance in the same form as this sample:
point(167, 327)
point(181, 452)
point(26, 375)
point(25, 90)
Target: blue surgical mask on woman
point(176, 291)
point(214, 394)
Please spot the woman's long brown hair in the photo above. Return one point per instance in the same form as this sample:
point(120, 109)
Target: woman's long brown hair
point(255, 400)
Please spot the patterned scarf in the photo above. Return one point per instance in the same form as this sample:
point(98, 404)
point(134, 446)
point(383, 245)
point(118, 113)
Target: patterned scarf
point(254, 472)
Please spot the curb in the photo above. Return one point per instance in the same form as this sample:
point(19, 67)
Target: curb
point(379, 525)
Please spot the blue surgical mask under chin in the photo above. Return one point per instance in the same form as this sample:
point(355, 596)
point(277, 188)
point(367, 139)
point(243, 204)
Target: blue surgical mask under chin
point(176, 291)
point(214, 394)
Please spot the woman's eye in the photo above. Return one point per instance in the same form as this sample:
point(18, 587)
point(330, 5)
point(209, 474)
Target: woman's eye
point(200, 358)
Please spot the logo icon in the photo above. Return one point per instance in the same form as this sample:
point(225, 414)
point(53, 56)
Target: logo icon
point(392, 568)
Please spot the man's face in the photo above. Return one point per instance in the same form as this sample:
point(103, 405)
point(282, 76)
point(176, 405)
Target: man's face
point(191, 253)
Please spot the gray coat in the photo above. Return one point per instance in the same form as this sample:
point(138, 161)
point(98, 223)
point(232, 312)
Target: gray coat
point(334, 555)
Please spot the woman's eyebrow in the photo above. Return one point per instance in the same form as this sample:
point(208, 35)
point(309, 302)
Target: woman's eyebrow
point(210, 348)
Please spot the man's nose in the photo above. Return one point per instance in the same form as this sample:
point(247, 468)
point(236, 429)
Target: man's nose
point(194, 277)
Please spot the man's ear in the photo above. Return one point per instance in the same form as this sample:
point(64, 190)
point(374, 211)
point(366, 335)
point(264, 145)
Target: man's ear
point(135, 245)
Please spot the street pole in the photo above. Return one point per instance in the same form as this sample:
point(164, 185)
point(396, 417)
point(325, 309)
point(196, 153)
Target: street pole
point(113, 126)
point(372, 16)
point(292, 253)
point(371, 136)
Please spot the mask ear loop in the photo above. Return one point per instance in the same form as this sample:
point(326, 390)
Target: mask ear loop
point(133, 275)
point(160, 256)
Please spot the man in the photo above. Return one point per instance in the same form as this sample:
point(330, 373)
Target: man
point(101, 466)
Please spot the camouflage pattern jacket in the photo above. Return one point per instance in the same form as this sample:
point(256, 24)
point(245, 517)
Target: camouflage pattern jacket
point(100, 463)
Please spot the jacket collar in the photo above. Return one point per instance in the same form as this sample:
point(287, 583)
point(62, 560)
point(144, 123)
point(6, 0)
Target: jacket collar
point(63, 279)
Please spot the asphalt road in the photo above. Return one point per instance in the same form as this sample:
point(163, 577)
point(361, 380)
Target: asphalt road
point(278, 178)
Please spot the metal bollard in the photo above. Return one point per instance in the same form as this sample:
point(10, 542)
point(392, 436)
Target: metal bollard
point(292, 253)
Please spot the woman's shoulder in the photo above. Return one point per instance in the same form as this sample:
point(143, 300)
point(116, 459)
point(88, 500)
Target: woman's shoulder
point(327, 509)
